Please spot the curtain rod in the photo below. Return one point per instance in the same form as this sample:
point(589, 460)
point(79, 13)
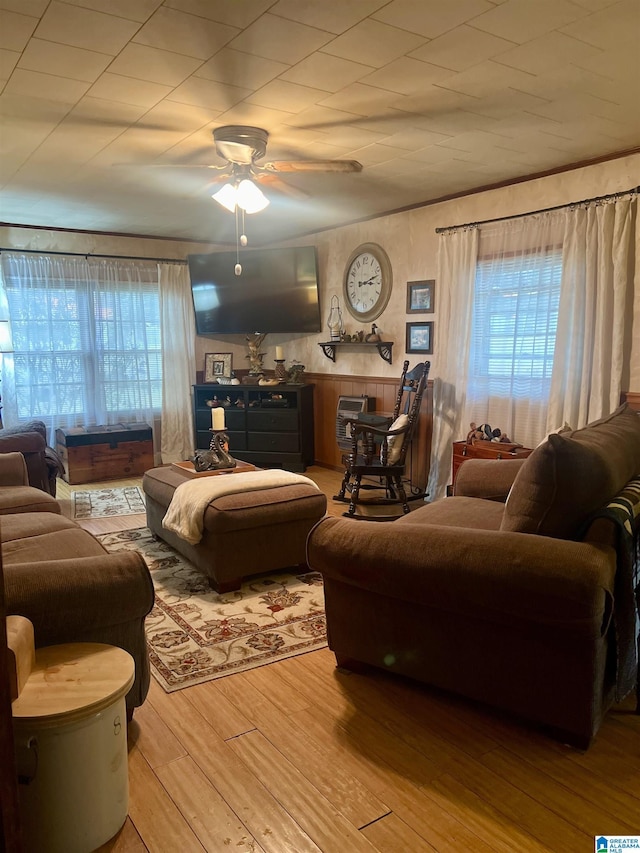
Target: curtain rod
point(544, 210)
point(88, 255)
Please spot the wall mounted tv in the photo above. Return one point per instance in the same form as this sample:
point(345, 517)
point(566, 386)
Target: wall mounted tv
point(276, 292)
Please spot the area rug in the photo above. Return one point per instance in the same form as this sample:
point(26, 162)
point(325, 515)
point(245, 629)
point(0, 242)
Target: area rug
point(195, 634)
point(102, 503)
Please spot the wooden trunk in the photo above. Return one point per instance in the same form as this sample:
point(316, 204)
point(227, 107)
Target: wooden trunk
point(98, 453)
point(485, 450)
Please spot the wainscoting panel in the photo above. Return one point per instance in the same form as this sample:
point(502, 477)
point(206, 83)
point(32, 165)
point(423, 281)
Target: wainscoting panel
point(328, 389)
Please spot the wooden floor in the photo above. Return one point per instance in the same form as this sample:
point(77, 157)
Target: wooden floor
point(297, 757)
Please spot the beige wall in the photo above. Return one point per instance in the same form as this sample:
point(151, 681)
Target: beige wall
point(411, 243)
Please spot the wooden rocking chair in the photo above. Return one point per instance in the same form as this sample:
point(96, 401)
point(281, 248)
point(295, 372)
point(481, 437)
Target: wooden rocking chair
point(381, 452)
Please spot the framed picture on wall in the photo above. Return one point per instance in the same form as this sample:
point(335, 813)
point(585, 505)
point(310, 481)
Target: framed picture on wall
point(420, 337)
point(420, 296)
point(217, 365)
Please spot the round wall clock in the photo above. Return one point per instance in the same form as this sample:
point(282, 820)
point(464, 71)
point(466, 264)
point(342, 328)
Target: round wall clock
point(367, 282)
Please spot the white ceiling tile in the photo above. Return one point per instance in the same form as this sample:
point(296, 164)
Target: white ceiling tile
point(175, 116)
point(350, 137)
point(182, 33)
point(317, 116)
point(362, 100)
point(35, 8)
point(279, 39)
point(342, 16)
point(595, 5)
point(113, 87)
point(621, 62)
point(241, 69)
point(281, 95)
point(133, 10)
point(97, 111)
point(254, 114)
point(85, 28)
point(607, 28)
point(415, 138)
point(37, 85)
point(486, 78)
point(405, 76)
point(15, 30)
point(207, 93)
point(232, 12)
point(377, 153)
point(151, 63)
point(8, 60)
point(373, 43)
point(522, 20)
point(546, 52)
point(431, 19)
point(461, 48)
point(65, 60)
point(331, 72)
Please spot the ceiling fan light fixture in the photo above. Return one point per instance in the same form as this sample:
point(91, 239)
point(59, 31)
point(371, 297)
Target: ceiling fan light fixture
point(250, 197)
point(226, 196)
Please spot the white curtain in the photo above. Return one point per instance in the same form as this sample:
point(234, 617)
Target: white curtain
point(457, 255)
point(597, 281)
point(178, 360)
point(513, 333)
point(86, 335)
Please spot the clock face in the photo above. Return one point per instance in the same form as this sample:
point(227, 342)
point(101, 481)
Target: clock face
point(367, 282)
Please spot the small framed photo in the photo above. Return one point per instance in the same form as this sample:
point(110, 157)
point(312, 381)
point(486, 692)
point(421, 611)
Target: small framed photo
point(420, 296)
point(420, 337)
point(217, 365)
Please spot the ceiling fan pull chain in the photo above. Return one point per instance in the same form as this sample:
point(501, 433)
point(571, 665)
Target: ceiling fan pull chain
point(238, 267)
point(243, 236)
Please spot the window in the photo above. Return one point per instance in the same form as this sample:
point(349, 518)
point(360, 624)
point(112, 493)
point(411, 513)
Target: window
point(86, 337)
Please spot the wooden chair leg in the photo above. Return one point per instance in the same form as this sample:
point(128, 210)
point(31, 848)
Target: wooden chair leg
point(355, 493)
point(344, 486)
point(402, 494)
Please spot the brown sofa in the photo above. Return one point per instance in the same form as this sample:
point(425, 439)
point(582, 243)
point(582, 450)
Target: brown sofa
point(525, 605)
point(43, 463)
point(61, 578)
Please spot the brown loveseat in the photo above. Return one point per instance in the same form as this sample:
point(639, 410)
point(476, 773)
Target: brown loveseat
point(43, 463)
point(525, 605)
point(61, 578)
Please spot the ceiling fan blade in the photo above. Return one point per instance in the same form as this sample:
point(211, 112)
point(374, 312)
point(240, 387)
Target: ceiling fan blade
point(273, 181)
point(311, 166)
point(173, 166)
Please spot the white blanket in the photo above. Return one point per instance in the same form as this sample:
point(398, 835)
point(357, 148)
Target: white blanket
point(185, 515)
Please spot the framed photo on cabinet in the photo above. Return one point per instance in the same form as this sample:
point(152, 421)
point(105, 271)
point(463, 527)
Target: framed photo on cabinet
point(420, 296)
point(217, 365)
point(420, 337)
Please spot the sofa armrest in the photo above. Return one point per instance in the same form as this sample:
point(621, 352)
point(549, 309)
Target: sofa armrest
point(490, 479)
point(22, 442)
point(13, 470)
point(71, 597)
point(509, 578)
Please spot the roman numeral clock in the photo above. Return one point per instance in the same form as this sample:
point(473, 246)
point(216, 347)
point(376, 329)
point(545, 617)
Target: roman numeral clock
point(367, 282)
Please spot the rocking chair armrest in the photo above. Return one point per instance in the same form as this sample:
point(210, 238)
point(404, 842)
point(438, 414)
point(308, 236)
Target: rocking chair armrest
point(359, 427)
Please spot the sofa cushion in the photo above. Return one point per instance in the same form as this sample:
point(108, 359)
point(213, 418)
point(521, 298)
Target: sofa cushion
point(33, 536)
point(570, 475)
point(26, 499)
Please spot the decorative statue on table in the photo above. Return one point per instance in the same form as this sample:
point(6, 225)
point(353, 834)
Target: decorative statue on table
point(255, 356)
point(216, 457)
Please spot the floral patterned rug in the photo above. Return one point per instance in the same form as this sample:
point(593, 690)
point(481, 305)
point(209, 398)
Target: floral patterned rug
point(102, 503)
point(195, 634)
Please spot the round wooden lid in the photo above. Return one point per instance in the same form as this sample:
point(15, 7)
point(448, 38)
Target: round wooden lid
point(73, 681)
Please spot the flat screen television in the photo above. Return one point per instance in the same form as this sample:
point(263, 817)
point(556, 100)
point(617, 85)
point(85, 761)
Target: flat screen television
point(276, 292)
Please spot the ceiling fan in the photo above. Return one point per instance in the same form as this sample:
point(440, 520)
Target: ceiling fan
point(243, 147)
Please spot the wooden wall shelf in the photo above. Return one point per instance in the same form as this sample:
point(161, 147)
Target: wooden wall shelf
point(384, 348)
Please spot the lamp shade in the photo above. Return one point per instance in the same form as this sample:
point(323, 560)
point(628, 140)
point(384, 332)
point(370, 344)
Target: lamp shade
point(226, 197)
point(246, 195)
point(6, 341)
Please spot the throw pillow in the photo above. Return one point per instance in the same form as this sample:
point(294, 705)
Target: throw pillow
point(395, 442)
point(570, 475)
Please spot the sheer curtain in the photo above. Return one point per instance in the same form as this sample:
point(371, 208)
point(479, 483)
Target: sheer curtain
point(457, 254)
point(86, 335)
point(513, 331)
point(178, 360)
point(597, 282)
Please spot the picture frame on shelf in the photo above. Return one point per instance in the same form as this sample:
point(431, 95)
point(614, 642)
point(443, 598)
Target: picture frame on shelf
point(420, 296)
point(420, 338)
point(217, 365)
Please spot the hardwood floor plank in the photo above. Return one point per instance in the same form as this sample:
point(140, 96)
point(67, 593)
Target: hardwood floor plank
point(389, 834)
point(315, 814)
point(221, 714)
point(284, 695)
point(154, 814)
point(258, 809)
point(153, 737)
point(587, 817)
point(344, 791)
point(125, 841)
point(213, 822)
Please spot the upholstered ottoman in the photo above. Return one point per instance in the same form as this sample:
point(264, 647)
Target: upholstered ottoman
point(244, 533)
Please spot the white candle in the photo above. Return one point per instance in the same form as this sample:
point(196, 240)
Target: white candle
point(279, 355)
point(217, 418)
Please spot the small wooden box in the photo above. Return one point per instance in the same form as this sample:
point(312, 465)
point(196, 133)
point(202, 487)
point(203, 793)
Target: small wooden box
point(109, 452)
point(485, 450)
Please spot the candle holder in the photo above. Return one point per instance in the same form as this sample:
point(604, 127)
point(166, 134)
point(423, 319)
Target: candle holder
point(217, 457)
point(280, 371)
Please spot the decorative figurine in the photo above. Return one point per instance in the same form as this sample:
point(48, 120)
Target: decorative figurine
point(255, 356)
